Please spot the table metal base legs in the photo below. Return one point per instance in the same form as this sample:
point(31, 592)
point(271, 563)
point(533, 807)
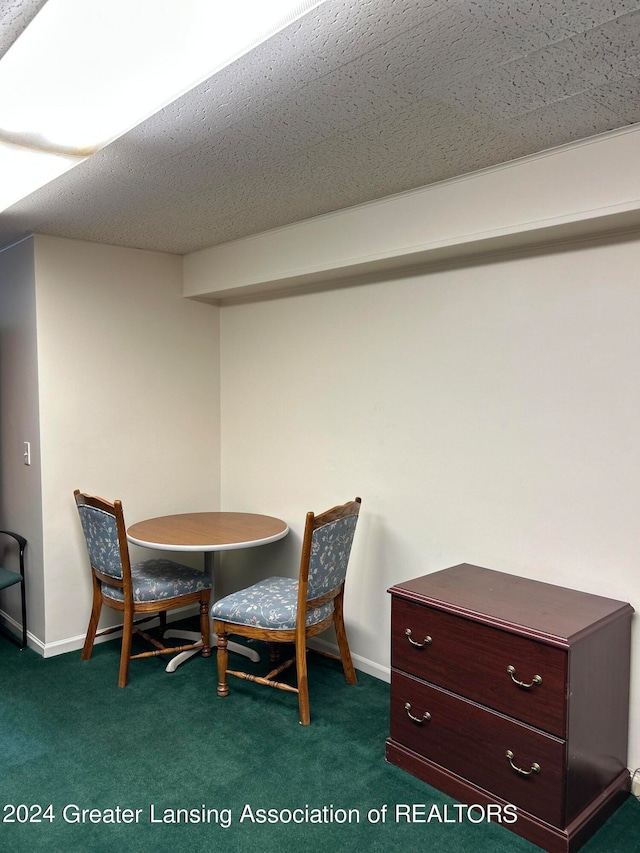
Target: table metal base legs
point(194, 636)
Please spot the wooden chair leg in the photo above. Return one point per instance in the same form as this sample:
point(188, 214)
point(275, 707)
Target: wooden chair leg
point(162, 615)
point(303, 682)
point(96, 609)
point(125, 651)
point(223, 660)
point(274, 653)
point(205, 627)
point(343, 643)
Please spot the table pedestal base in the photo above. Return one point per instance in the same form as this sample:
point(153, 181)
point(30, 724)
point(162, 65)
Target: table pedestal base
point(194, 636)
point(174, 663)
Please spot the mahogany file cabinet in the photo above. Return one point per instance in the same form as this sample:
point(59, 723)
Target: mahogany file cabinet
point(510, 691)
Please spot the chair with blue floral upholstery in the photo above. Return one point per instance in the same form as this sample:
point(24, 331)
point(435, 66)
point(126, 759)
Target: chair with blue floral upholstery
point(147, 587)
point(9, 577)
point(289, 610)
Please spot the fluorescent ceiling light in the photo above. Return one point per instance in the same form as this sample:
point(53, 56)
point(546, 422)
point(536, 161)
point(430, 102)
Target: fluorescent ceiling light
point(24, 170)
point(83, 73)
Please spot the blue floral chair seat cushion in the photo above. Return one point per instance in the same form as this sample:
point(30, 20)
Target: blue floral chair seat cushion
point(156, 580)
point(271, 603)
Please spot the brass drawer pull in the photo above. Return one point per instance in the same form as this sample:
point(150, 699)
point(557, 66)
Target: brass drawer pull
point(535, 767)
point(537, 679)
point(419, 720)
point(426, 641)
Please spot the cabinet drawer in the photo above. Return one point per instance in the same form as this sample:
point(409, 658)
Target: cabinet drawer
point(473, 742)
point(471, 659)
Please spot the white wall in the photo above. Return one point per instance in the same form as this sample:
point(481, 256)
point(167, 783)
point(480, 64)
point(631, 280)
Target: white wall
point(129, 403)
point(20, 485)
point(486, 413)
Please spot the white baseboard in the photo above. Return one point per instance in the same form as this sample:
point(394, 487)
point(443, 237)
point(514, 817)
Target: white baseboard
point(16, 628)
point(360, 663)
point(74, 644)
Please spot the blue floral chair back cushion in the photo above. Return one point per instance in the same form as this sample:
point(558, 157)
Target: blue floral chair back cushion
point(101, 534)
point(330, 550)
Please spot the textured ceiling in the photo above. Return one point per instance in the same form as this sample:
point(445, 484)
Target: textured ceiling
point(358, 100)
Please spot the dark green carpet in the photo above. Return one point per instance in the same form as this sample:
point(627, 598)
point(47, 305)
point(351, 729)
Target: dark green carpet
point(69, 737)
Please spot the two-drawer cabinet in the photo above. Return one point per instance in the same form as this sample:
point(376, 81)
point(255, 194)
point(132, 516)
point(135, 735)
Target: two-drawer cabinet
point(506, 690)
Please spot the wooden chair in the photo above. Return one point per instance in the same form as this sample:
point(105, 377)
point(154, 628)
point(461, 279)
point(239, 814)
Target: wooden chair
point(151, 586)
point(286, 610)
point(8, 578)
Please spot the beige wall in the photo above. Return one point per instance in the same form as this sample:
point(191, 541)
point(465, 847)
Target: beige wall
point(128, 404)
point(485, 413)
point(20, 485)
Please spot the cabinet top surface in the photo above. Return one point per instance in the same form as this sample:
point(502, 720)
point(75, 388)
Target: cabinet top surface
point(511, 602)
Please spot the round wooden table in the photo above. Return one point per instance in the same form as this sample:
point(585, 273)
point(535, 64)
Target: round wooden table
point(206, 532)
